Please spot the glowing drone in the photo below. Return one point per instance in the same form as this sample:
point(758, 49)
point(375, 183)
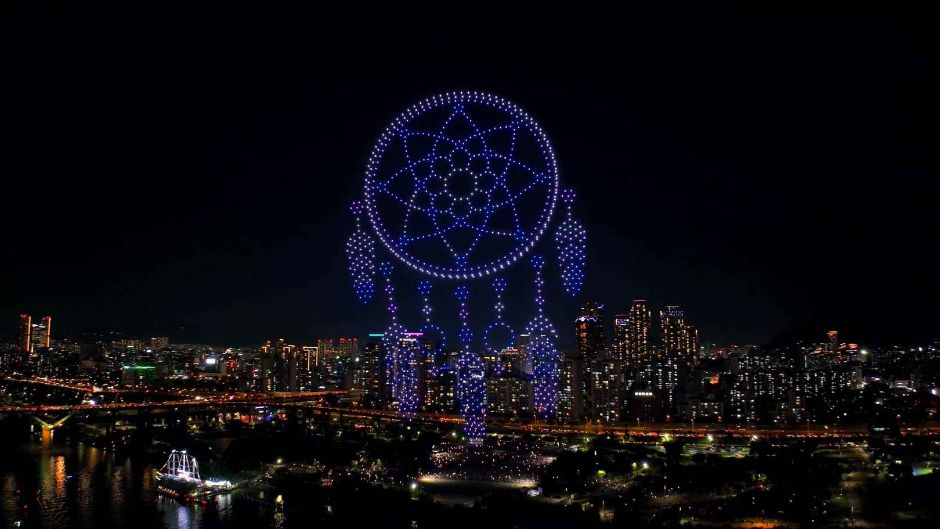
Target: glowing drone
point(459, 187)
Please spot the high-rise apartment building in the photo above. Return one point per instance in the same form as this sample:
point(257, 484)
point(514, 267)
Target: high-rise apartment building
point(606, 385)
point(680, 341)
point(638, 333)
point(25, 333)
point(589, 329)
point(621, 338)
point(569, 389)
point(336, 356)
point(34, 335)
point(369, 371)
point(832, 344)
point(589, 332)
point(672, 329)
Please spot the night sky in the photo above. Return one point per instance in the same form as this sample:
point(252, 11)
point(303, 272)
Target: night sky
point(169, 171)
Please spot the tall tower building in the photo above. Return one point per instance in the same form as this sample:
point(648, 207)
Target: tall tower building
point(691, 334)
point(638, 332)
point(589, 328)
point(589, 331)
point(674, 337)
point(34, 335)
point(606, 385)
point(286, 364)
point(680, 340)
point(370, 367)
point(832, 343)
point(621, 340)
point(293, 361)
point(42, 333)
point(25, 333)
point(569, 389)
point(308, 367)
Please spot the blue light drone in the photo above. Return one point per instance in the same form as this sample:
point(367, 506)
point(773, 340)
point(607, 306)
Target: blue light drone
point(461, 186)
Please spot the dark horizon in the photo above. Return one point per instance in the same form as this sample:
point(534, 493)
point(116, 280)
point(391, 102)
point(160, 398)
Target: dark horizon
point(189, 172)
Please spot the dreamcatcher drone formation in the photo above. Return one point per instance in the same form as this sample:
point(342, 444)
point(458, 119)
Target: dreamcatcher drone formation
point(460, 187)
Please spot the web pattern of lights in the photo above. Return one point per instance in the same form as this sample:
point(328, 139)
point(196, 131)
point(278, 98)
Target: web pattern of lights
point(571, 239)
point(471, 384)
point(449, 181)
point(392, 339)
point(543, 351)
point(360, 252)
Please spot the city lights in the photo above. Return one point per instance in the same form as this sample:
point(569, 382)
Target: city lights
point(467, 266)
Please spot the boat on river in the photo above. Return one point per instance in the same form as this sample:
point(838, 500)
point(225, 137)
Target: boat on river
point(179, 478)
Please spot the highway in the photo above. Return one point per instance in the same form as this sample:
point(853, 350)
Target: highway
point(313, 401)
point(510, 426)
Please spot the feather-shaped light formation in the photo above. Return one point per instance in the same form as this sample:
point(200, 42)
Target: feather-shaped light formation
point(471, 384)
point(360, 253)
point(543, 351)
point(392, 339)
point(571, 240)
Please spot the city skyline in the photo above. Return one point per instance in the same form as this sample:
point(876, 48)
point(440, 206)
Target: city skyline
point(531, 265)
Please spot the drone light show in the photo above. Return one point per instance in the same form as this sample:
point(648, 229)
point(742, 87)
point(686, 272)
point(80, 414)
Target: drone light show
point(459, 187)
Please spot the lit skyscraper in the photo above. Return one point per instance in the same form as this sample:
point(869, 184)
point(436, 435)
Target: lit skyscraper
point(832, 344)
point(638, 333)
point(672, 321)
point(606, 385)
point(589, 327)
point(25, 333)
point(370, 374)
point(679, 339)
point(589, 331)
point(691, 334)
point(307, 367)
point(621, 340)
point(42, 333)
point(34, 336)
point(569, 389)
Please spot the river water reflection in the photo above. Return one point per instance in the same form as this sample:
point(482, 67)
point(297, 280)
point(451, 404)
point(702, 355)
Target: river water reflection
point(82, 486)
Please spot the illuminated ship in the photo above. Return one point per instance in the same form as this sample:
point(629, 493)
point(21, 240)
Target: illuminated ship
point(179, 478)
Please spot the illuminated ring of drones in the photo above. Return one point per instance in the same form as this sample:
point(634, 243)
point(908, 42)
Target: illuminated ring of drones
point(446, 208)
point(510, 339)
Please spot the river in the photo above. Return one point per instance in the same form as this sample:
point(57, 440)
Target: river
point(80, 486)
